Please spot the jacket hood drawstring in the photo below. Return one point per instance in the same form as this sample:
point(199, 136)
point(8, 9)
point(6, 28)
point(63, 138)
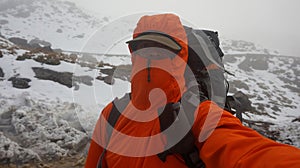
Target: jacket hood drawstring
point(148, 69)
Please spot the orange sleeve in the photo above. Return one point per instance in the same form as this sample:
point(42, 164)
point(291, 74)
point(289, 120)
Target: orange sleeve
point(230, 144)
point(95, 149)
point(93, 155)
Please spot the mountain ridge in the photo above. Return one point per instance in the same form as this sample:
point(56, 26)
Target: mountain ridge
point(68, 27)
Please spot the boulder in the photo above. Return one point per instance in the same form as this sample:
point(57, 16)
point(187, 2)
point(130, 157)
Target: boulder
point(296, 119)
point(47, 49)
point(1, 73)
point(59, 31)
point(100, 78)
point(38, 42)
point(109, 80)
point(19, 42)
point(47, 60)
point(25, 56)
point(20, 83)
point(64, 78)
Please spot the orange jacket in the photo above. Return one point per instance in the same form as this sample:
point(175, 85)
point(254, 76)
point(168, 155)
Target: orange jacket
point(137, 139)
point(230, 145)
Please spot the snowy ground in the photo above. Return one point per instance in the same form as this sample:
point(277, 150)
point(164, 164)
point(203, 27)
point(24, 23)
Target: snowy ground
point(266, 86)
point(47, 120)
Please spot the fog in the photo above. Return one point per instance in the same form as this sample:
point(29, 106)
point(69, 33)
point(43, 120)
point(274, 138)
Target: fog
point(271, 24)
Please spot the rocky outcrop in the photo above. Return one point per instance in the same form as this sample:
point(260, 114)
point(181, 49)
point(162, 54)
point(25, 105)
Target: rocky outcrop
point(296, 119)
point(39, 43)
point(19, 42)
point(48, 59)
point(33, 44)
point(1, 55)
point(20, 83)
point(121, 72)
point(109, 80)
point(1, 73)
point(64, 78)
point(256, 62)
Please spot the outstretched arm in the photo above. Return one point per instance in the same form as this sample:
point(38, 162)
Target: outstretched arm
point(233, 145)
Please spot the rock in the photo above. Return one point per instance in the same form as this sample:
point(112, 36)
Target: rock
point(20, 83)
point(296, 119)
point(108, 71)
point(255, 62)
point(234, 84)
point(47, 49)
point(100, 77)
point(38, 42)
point(88, 58)
point(73, 57)
point(34, 46)
point(12, 50)
point(260, 64)
point(57, 50)
point(47, 60)
point(101, 64)
point(79, 36)
point(59, 31)
point(122, 72)
point(1, 55)
point(1, 73)
point(26, 55)
point(109, 80)
point(3, 22)
point(83, 79)
point(1, 34)
point(64, 78)
point(19, 42)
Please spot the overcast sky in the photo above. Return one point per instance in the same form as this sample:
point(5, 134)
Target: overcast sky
point(274, 24)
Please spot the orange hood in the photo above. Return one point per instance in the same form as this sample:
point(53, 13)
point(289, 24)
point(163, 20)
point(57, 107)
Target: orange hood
point(166, 82)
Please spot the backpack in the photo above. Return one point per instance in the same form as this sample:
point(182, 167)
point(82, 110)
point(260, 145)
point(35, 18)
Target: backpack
point(205, 61)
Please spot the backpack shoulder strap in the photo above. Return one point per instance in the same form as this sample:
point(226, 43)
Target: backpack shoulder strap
point(118, 107)
point(182, 112)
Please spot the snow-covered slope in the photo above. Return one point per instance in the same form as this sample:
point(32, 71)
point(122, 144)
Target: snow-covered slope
point(272, 84)
point(55, 102)
point(66, 26)
point(244, 47)
point(61, 23)
point(47, 110)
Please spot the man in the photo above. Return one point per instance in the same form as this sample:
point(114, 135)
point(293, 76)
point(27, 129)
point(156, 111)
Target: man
point(159, 60)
